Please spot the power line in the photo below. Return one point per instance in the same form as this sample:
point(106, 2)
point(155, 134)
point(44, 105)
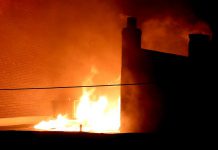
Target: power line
point(71, 87)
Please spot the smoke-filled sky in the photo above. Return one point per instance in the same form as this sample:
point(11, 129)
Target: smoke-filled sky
point(58, 42)
point(63, 38)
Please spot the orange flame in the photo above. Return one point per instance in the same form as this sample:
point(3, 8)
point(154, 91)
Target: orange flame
point(96, 114)
point(91, 116)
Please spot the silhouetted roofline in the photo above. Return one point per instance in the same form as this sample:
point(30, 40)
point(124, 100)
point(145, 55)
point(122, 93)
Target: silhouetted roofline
point(155, 52)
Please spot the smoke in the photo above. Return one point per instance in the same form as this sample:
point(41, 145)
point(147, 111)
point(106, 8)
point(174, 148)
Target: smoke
point(55, 43)
point(60, 39)
point(165, 24)
point(169, 34)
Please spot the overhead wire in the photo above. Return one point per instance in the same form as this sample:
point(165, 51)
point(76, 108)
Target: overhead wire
point(72, 87)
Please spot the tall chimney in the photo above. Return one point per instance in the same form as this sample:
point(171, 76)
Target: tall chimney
point(131, 42)
point(131, 48)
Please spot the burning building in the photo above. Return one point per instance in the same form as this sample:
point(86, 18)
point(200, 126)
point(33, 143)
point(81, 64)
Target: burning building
point(164, 101)
point(158, 98)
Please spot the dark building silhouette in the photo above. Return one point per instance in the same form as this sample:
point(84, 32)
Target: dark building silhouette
point(166, 102)
point(201, 83)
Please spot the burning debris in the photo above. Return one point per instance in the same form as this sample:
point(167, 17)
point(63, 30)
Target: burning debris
point(91, 116)
point(92, 113)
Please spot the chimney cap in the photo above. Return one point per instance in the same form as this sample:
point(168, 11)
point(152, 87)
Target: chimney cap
point(132, 22)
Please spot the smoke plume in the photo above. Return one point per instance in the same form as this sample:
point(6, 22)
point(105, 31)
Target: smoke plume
point(56, 42)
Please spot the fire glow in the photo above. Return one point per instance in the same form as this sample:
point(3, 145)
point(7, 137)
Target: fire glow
point(100, 116)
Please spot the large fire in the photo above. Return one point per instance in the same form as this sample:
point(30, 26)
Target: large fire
point(98, 115)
